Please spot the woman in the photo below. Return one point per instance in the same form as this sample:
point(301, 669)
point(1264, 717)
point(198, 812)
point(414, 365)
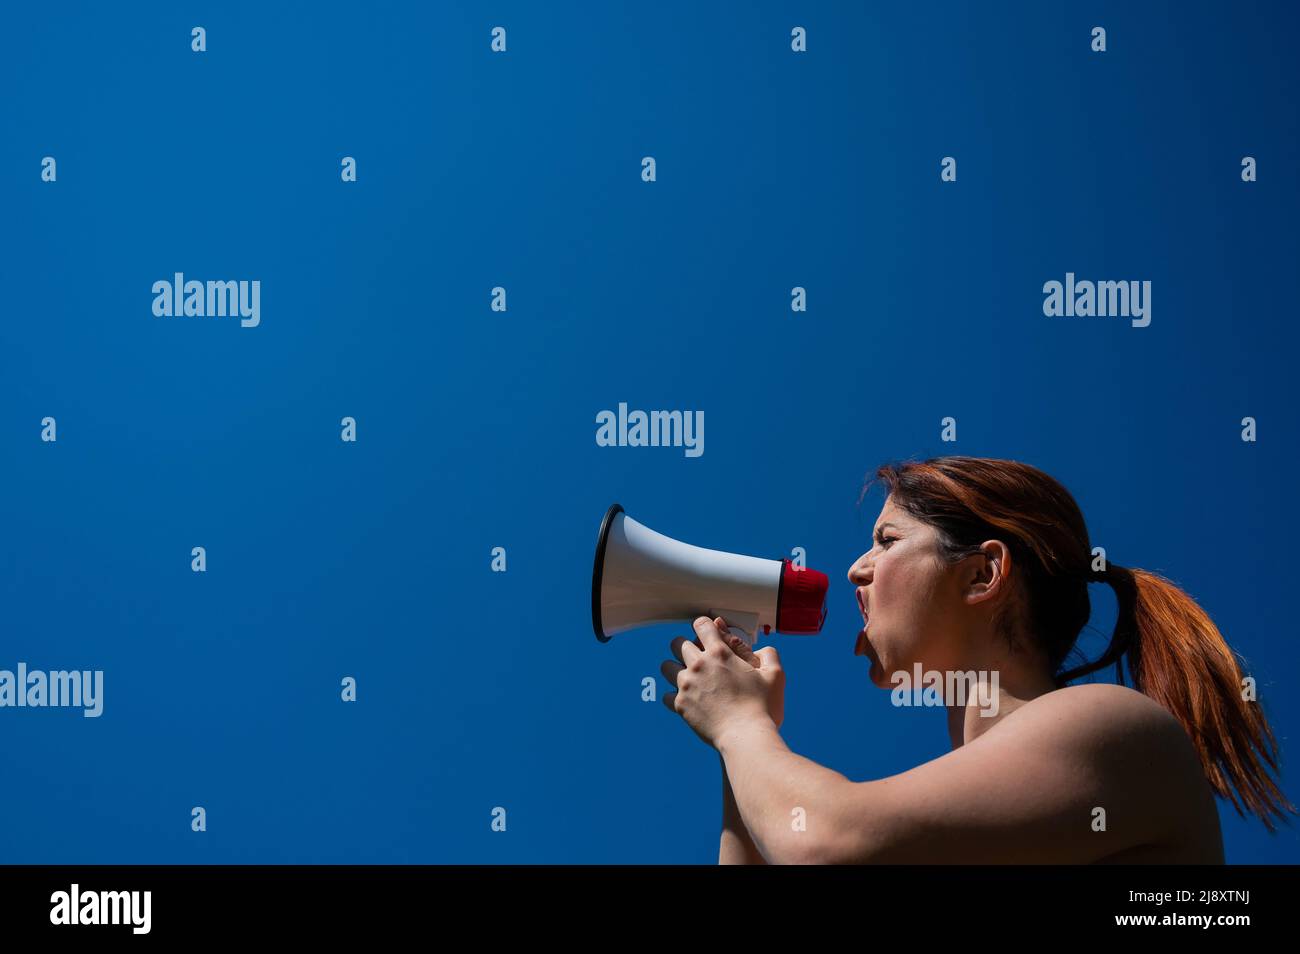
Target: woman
point(982, 566)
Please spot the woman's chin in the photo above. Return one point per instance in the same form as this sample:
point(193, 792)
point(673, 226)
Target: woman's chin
point(877, 672)
point(877, 676)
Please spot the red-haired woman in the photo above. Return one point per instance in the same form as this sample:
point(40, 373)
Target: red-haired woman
point(982, 566)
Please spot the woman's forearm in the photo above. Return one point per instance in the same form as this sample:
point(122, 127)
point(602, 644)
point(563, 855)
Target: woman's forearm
point(789, 803)
point(735, 847)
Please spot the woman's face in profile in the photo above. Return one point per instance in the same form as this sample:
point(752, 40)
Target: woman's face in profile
point(908, 598)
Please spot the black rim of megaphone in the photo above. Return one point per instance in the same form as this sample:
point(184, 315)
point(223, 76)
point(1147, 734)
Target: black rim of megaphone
point(598, 571)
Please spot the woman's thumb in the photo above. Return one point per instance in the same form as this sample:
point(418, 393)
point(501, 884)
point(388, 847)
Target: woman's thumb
point(768, 658)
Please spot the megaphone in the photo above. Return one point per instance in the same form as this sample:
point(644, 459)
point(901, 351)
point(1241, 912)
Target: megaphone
point(643, 577)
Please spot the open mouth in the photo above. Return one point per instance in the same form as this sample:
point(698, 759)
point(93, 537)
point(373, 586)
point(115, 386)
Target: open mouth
point(862, 647)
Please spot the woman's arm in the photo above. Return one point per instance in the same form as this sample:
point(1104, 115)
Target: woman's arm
point(1076, 776)
point(786, 797)
point(736, 847)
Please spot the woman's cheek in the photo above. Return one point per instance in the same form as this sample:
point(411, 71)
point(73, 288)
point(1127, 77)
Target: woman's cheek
point(892, 649)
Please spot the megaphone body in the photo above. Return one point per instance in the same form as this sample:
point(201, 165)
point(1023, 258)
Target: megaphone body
point(642, 577)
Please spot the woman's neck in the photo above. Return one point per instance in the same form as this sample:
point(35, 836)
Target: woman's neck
point(1001, 692)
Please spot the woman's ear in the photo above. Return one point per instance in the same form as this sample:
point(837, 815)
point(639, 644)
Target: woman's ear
point(988, 571)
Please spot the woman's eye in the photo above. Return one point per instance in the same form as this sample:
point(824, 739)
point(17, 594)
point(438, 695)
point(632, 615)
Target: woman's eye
point(885, 540)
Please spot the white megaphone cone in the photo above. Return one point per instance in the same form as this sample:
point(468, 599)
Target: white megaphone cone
point(642, 577)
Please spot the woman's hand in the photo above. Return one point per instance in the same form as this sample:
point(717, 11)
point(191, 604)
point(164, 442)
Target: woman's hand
point(720, 682)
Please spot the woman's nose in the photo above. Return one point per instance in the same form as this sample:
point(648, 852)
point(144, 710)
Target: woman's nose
point(858, 572)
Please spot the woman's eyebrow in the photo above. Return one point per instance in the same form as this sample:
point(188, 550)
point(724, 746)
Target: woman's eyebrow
point(883, 525)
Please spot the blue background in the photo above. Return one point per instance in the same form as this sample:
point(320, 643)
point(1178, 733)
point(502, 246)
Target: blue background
point(476, 428)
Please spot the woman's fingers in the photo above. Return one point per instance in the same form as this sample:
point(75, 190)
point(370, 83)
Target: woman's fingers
point(741, 649)
point(733, 641)
point(707, 630)
point(678, 647)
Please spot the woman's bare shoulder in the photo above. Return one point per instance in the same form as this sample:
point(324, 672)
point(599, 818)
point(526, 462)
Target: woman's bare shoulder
point(1106, 726)
point(1124, 731)
point(1119, 727)
point(1103, 706)
point(1077, 774)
